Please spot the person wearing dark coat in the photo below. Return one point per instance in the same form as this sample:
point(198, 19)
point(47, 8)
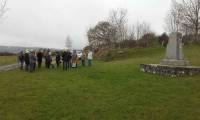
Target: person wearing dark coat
point(32, 59)
point(26, 60)
point(48, 60)
point(21, 60)
point(64, 59)
point(46, 52)
point(39, 58)
point(58, 58)
point(69, 57)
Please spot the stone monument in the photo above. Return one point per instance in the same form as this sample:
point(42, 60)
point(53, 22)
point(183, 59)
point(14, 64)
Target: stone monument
point(174, 53)
point(174, 63)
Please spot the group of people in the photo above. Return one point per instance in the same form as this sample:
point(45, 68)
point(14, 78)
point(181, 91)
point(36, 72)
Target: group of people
point(31, 59)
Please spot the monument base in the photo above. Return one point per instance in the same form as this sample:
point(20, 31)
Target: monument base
point(170, 70)
point(174, 62)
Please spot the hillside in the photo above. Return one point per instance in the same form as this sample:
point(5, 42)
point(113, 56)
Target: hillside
point(17, 49)
point(114, 90)
point(190, 52)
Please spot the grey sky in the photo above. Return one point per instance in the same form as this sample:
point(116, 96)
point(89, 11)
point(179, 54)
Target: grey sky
point(47, 23)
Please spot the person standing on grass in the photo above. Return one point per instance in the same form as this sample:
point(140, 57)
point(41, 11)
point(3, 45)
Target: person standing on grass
point(58, 58)
point(39, 58)
point(83, 57)
point(45, 57)
point(49, 60)
point(89, 58)
point(64, 59)
point(32, 58)
point(69, 59)
point(27, 61)
point(21, 60)
point(74, 59)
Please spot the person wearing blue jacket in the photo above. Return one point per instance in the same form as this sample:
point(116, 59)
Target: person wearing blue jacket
point(32, 59)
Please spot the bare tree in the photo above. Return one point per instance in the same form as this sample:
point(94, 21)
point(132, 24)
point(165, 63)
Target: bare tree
point(102, 35)
point(68, 42)
point(142, 29)
point(192, 15)
point(174, 17)
point(184, 17)
point(3, 8)
point(131, 33)
point(118, 18)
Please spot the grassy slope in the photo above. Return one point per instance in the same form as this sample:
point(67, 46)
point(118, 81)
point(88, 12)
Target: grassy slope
point(108, 91)
point(4, 60)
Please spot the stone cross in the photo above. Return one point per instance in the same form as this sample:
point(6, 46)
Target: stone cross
point(174, 47)
point(174, 54)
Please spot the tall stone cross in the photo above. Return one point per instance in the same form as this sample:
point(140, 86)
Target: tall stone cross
point(174, 54)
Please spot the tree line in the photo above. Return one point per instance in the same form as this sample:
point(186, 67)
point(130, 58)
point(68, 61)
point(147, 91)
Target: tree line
point(116, 33)
point(184, 17)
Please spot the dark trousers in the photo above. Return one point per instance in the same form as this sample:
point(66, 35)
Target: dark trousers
point(58, 63)
point(89, 63)
point(69, 64)
point(27, 65)
point(39, 64)
point(32, 67)
point(66, 65)
point(21, 65)
point(48, 65)
point(83, 62)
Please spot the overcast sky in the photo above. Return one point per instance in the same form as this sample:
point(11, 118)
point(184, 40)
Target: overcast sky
point(46, 23)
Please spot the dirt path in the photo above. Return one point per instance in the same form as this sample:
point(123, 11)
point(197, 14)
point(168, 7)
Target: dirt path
point(16, 65)
point(8, 67)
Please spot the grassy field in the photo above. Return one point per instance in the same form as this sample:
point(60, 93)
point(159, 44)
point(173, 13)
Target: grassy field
point(4, 60)
point(114, 90)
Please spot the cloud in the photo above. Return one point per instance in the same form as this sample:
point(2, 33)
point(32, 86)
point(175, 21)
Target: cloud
point(47, 22)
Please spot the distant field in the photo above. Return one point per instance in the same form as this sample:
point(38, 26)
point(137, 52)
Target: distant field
point(114, 90)
point(4, 60)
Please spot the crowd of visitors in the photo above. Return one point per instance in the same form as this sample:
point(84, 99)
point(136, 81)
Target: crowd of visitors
point(30, 59)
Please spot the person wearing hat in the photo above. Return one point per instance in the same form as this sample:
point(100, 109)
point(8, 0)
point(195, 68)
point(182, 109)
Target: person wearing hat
point(26, 60)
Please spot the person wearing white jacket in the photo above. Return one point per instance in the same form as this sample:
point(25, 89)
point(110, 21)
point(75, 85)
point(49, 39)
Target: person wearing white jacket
point(90, 57)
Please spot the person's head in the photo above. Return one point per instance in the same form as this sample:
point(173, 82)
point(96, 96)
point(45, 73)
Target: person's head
point(21, 52)
point(27, 51)
point(49, 53)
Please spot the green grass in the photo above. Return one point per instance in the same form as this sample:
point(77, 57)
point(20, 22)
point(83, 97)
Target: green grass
point(114, 90)
point(5, 60)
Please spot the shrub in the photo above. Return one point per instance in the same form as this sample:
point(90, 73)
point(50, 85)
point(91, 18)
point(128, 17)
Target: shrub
point(108, 56)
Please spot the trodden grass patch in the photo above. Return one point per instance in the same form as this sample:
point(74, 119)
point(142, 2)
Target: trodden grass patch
point(114, 90)
point(5, 60)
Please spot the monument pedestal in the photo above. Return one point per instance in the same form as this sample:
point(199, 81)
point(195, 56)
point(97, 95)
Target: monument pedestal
point(174, 62)
point(170, 70)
